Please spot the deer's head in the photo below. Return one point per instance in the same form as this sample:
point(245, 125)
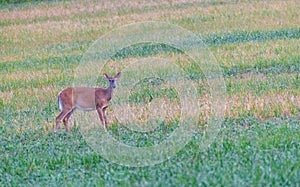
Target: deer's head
point(112, 80)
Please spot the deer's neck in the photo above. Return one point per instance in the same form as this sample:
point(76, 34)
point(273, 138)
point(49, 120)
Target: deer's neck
point(108, 93)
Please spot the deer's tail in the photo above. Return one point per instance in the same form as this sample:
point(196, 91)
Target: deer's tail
point(59, 102)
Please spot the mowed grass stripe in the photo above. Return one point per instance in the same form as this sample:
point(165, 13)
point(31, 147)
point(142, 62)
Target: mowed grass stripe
point(271, 68)
point(252, 36)
point(63, 63)
point(282, 37)
point(274, 66)
point(61, 79)
point(219, 40)
point(225, 51)
point(259, 84)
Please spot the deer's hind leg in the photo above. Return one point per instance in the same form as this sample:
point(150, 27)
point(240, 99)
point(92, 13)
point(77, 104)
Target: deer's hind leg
point(65, 120)
point(61, 118)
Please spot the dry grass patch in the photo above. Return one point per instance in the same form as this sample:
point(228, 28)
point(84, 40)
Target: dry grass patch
point(6, 97)
point(262, 107)
point(158, 109)
point(29, 97)
point(265, 106)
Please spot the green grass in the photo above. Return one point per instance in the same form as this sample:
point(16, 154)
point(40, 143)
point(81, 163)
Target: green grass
point(257, 145)
point(262, 154)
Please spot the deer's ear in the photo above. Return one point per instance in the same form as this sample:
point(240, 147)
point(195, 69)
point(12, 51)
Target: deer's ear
point(106, 76)
point(118, 75)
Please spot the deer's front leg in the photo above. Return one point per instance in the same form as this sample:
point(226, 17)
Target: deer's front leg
point(104, 116)
point(101, 116)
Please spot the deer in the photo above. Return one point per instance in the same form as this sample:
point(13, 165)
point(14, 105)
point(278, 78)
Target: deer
point(84, 99)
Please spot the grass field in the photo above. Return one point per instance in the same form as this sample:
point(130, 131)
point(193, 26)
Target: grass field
point(256, 43)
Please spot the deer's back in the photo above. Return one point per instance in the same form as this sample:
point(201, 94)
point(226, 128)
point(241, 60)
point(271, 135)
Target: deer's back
point(84, 98)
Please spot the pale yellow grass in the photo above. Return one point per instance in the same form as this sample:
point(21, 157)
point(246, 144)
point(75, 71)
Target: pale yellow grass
point(264, 106)
point(23, 98)
point(158, 109)
point(63, 9)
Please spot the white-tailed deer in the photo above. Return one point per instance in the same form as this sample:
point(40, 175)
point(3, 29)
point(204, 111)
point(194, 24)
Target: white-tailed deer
point(86, 99)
